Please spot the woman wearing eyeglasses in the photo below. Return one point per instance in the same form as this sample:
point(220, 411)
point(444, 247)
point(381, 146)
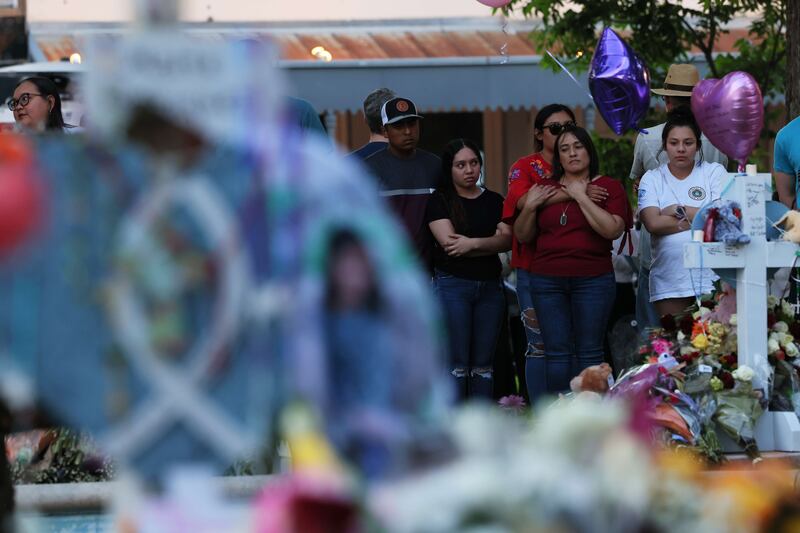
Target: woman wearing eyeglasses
point(37, 105)
point(536, 169)
point(571, 275)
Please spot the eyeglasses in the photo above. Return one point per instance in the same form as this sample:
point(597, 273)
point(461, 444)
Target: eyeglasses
point(23, 100)
point(556, 127)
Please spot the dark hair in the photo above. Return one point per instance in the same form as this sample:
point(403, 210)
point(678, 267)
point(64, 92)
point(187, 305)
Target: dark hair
point(341, 240)
point(446, 188)
point(46, 87)
point(372, 108)
point(681, 117)
point(542, 116)
point(678, 101)
point(586, 140)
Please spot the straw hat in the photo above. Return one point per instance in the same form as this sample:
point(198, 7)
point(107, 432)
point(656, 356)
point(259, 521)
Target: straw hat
point(681, 79)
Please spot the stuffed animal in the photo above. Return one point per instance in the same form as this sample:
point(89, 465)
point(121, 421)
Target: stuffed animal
point(728, 224)
point(791, 223)
point(592, 379)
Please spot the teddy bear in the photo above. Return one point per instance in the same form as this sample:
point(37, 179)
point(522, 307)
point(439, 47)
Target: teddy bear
point(791, 223)
point(593, 379)
point(728, 224)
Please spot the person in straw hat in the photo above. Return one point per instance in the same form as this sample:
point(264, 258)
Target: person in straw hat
point(647, 155)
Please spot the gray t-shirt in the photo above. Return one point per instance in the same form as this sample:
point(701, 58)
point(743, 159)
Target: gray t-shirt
point(647, 155)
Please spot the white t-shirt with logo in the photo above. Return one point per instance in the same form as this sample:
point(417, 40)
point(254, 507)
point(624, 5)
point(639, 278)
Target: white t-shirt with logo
point(659, 188)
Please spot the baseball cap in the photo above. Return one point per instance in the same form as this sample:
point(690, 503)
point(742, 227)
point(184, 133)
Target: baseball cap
point(398, 109)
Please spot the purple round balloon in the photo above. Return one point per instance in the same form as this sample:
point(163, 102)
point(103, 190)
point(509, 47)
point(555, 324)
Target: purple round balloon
point(730, 112)
point(619, 83)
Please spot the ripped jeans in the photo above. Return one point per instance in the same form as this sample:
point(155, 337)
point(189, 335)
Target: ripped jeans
point(535, 369)
point(474, 312)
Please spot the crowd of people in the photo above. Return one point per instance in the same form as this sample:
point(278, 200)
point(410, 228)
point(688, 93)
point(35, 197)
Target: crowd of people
point(562, 222)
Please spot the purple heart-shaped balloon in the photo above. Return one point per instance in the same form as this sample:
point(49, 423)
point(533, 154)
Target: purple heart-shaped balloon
point(619, 83)
point(730, 112)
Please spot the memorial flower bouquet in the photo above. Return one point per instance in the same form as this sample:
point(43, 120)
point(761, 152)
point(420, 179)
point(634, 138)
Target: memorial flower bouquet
point(700, 350)
point(712, 392)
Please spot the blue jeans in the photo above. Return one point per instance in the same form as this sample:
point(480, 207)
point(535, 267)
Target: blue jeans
point(535, 370)
point(646, 315)
point(474, 312)
point(573, 315)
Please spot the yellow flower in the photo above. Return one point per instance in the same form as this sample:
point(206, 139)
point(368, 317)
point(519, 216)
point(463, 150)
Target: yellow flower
point(700, 342)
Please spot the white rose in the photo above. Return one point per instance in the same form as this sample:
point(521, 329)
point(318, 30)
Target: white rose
point(791, 350)
point(703, 311)
point(772, 345)
point(733, 319)
point(744, 373)
point(681, 336)
point(780, 327)
point(772, 300)
point(787, 308)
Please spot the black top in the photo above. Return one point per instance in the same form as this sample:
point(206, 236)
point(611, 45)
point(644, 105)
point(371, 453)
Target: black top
point(406, 184)
point(483, 216)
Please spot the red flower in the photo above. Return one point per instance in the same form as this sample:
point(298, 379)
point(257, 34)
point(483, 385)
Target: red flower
point(727, 360)
point(686, 324)
point(668, 323)
point(780, 355)
point(727, 379)
point(771, 320)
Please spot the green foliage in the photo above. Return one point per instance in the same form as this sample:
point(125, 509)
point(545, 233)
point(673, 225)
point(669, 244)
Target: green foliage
point(665, 32)
point(616, 158)
point(69, 458)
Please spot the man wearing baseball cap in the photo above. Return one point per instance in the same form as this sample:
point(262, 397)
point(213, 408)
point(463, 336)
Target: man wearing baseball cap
point(647, 155)
point(406, 175)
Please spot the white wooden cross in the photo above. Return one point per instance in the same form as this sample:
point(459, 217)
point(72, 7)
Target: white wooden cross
point(776, 431)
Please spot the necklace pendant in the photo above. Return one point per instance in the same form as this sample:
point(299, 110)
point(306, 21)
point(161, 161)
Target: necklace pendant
point(563, 219)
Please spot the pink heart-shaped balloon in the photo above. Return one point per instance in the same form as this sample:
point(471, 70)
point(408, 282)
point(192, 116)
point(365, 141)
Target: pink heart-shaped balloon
point(730, 112)
point(495, 3)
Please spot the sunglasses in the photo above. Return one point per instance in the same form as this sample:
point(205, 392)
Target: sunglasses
point(23, 100)
point(556, 127)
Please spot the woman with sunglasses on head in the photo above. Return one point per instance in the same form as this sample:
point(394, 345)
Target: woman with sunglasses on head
point(37, 105)
point(669, 198)
point(536, 169)
point(465, 221)
point(571, 275)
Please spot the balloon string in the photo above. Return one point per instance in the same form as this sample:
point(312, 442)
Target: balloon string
point(568, 73)
point(504, 47)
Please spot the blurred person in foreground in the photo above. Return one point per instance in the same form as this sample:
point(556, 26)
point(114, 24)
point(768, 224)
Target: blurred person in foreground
point(36, 105)
point(372, 115)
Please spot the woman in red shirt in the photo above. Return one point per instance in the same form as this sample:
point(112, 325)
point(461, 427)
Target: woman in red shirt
point(572, 277)
point(533, 169)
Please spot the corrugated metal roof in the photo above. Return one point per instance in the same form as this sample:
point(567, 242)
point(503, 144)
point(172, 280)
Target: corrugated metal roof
point(361, 45)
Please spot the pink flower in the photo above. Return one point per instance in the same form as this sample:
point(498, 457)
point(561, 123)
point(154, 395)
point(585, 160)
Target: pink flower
point(512, 402)
point(662, 346)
